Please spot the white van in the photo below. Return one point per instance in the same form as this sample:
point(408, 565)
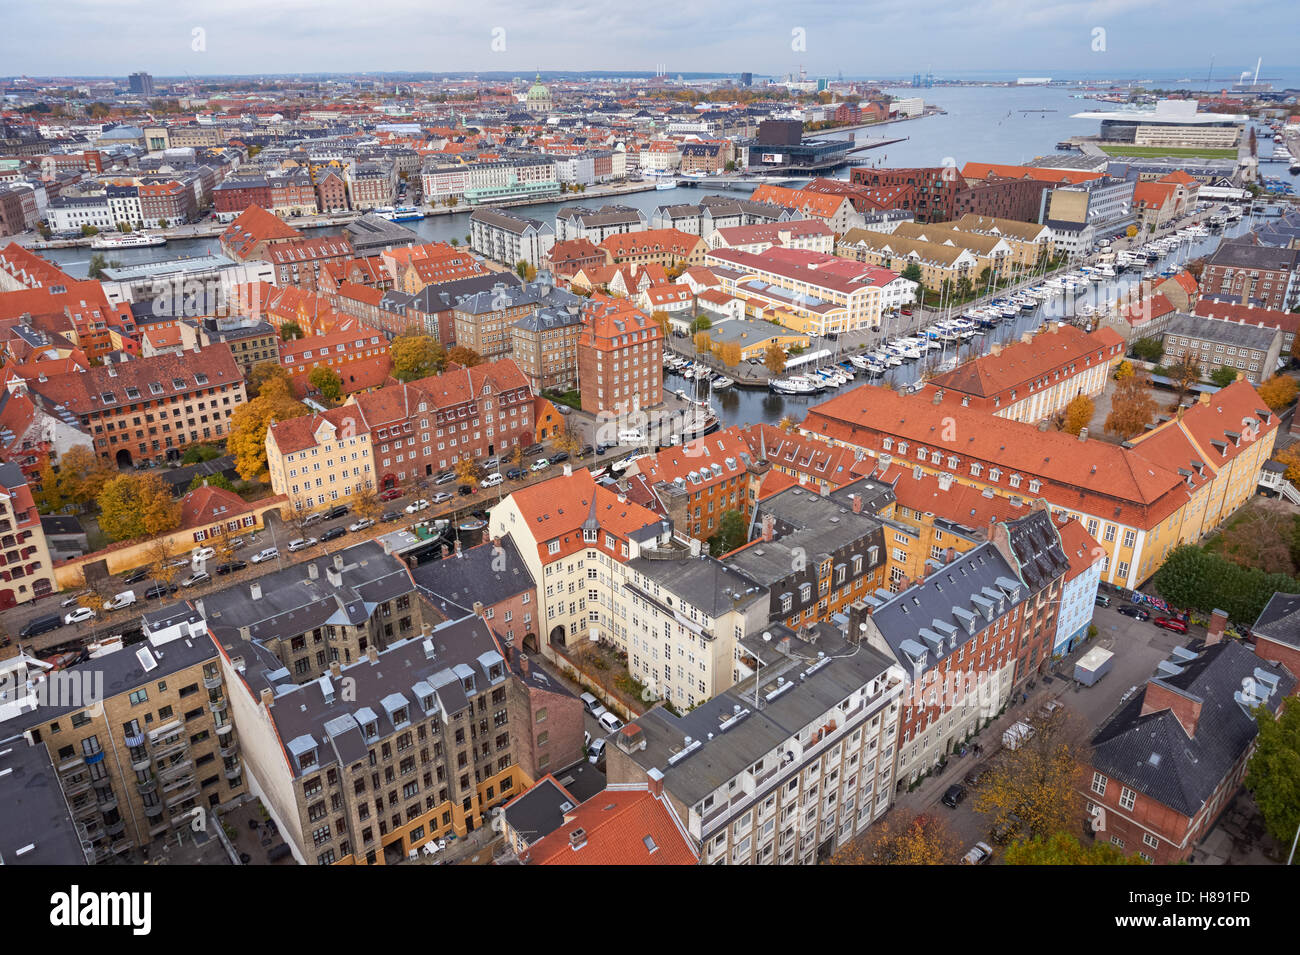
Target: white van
point(492, 480)
point(630, 436)
point(124, 599)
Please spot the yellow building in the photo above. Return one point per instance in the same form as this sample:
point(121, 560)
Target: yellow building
point(320, 458)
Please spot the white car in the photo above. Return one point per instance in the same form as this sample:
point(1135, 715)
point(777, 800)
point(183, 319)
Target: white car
point(361, 525)
point(80, 614)
point(203, 553)
point(124, 599)
point(198, 577)
point(419, 505)
point(541, 464)
point(302, 543)
point(492, 480)
point(980, 854)
point(609, 722)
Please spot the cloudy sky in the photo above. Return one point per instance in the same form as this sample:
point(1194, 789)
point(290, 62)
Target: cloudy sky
point(1108, 38)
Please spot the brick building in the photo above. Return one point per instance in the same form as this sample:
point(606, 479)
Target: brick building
point(1244, 271)
point(26, 568)
point(620, 358)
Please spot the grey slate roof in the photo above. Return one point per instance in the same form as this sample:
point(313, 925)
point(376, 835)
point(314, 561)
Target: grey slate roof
point(549, 319)
point(1153, 754)
point(508, 296)
point(1037, 546)
point(1245, 254)
point(704, 582)
point(455, 583)
point(538, 812)
point(36, 821)
point(1280, 619)
point(1221, 331)
point(445, 295)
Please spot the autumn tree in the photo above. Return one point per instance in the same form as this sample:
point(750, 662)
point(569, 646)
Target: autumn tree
point(1061, 848)
point(416, 356)
point(787, 423)
point(223, 545)
point(366, 503)
point(1183, 373)
point(263, 373)
point(1278, 392)
point(729, 354)
point(162, 567)
point(703, 343)
point(468, 471)
point(464, 356)
point(903, 838)
point(1131, 407)
point(1273, 774)
point(289, 331)
point(1123, 370)
point(1036, 782)
point(248, 425)
point(327, 381)
point(1291, 458)
point(1077, 414)
point(1259, 538)
point(774, 358)
point(516, 456)
point(137, 505)
point(80, 476)
point(662, 319)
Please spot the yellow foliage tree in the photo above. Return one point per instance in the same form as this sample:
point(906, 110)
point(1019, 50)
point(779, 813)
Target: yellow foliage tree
point(468, 471)
point(1131, 407)
point(1037, 782)
point(416, 356)
point(1123, 370)
point(247, 440)
point(137, 505)
point(366, 503)
point(1279, 391)
point(161, 566)
point(729, 353)
point(703, 343)
point(1291, 458)
point(903, 839)
point(774, 358)
point(1078, 413)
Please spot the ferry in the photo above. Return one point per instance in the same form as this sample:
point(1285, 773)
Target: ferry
point(664, 186)
point(127, 240)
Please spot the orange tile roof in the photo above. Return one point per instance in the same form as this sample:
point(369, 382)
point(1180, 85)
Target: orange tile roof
point(961, 503)
point(1289, 322)
point(822, 205)
point(299, 434)
point(1018, 366)
point(207, 505)
point(651, 241)
point(713, 459)
point(254, 225)
point(991, 170)
point(622, 827)
point(556, 509)
point(1081, 548)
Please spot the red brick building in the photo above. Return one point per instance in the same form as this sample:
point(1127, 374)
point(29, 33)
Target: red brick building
point(299, 262)
point(1165, 767)
point(172, 202)
point(571, 256)
point(331, 192)
point(620, 358)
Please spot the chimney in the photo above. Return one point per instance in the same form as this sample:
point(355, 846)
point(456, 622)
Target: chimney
point(457, 548)
point(336, 669)
point(769, 527)
point(1083, 434)
point(478, 608)
point(338, 562)
point(1159, 697)
point(655, 782)
point(255, 590)
point(313, 572)
point(950, 555)
point(945, 481)
point(268, 695)
point(1218, 623)
point(857, 503)
point(372, 654)
point(578, 838)
point(523, 664)
point(1042, 425)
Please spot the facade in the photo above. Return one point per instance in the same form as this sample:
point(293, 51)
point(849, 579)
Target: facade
point(544, 345)
point(509, 238)
point(1251, 350)
point(1171, 760)
point(811, 235)
point(485, 321)
point(26, 567)
point(1079, 588)
point(252, 341)
point(1243, 271)
point(696, 483)
point(666, 247)
point(597, 225)
point(620, 358)
point(320, 458)
point(1288, 323)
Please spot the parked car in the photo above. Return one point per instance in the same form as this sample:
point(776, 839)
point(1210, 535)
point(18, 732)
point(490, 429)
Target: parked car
point(203, 553)
point(591, 704)
point(73, 600)
point(334, 533)
point(302, 543)
point(532, 449)
point(609, 722)
point(979, 854)
point(492, 480)
point(1137, 613)
point(231, 566)
point(491, 464)
point(446, 477)
point(311, 519)
point(954, 795)
point(514, 474)
point(80, 614)
point(390, 516)
point(391, 494)
point(159, 590)
point(124, 599)
point(360, 525)
point(39, 625)
point(198, 577)
point(465, 489)
point(1006, 830)
point(557, 458)
point(1171, 623)
point(541, 464)
point(417, 505)
point(337, 511)
point(268, 553)
point(586, 450)
point(137, 575)
point(596, 752)
point(1102, 600)
point(441, 497)
point(601, 449)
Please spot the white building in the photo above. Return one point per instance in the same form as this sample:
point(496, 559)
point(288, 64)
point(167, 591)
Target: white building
point(68, 214)
point(507, 238)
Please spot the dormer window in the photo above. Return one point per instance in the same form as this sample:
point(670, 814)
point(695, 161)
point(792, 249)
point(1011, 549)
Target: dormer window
point(155, 387)
point(178, 384)
point(371, 731)
point(590, 534)
point(995, 474)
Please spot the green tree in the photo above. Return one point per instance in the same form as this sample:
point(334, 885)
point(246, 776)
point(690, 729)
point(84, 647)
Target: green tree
point(326, 380)
point(198, 453)
point(1223, 376)
point(731, 533)
point(1273, 775)
point(289, 331)
point(89, 230)
point(1064, 849)
point(416, 356)
point(211, 480)
point(98, 263)
point(702, 323)
point(1148, 349)
point(911, 272)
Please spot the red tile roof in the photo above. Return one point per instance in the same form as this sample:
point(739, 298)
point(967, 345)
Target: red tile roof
point(207, 505)
point(991, 170)
point(622, 827)
point(556, 510)
point(1018, 366)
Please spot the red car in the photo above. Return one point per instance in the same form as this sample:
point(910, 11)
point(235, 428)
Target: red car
point(1171, 623)
point(391, 494)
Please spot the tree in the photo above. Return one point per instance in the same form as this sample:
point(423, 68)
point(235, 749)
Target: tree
point(1131, 406)
point(366, 503)
point(263, 373)
point(774, 358)
point(663, 320)
point(1078, 413)
point(1223, 376)
point(137, 505)
point(1036, 782)
point(911, 272)
point(468, 471)
point(416, 356)
point(1123, 370)
point(223, 545)
point(1148, 349)
point(1256, 540)
point(248, 425)
point(464, 356)
point(787, 423)
point(903, 839)
point(211, 480)
point(161, 566)
point(1278, 392)
point(521, 269)
point(1064, 849)
point(729, 354)
point(703, 343)
point(731, 534)
point(1291, 458)
point(1183, 373)
point(289, 331)
point(90, 230)
point(97, 265)
point(516, 456)
point(1273, 774)
point(702, 323)
point(327, 381)
point(566, 440)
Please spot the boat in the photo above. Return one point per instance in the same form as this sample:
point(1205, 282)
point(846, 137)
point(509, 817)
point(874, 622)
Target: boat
point(722, 381)
point(795, 385)
point(476, 524)
point(127, 240)
point(670, 184)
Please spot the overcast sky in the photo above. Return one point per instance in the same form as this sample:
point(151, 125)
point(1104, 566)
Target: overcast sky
point(888, 37)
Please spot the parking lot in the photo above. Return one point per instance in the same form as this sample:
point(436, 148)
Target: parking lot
point(1138, 647)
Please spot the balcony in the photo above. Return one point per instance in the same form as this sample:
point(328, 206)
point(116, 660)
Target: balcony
point(218, 705)
point(75, 787)
point(153, 811)
point(212, 682)
point(115, 828)
point(86, 809)
point(171, 749)
point(175, 799)
point(233, 772)
point(169, 774)
point(225, 728)
point(147, 786)
point(69, 765)
point(121, 846)
point(142, 763)
point(229, 749)
point(133, 741)
point(107, 801)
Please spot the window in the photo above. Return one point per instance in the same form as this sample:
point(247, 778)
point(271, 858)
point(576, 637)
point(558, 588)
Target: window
point(1151, 841)
point(1099, 784)
point(1126, 798)
point(139, 696)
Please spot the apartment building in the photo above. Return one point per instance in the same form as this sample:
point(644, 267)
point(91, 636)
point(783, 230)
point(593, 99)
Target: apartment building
point(809, 292)
point(811, 235)
point(253, 231)
point(1175, 483)
point(815, 553)
point(666, 247)
point(167, 203)
point(319, 458)
point(252, 341)
point(359, 357)
point(329, 608)
point(151, 408)
point(696, 483)
point(373, 759)
point(1038, 377)
point(1168, 764)
point(620, 358)
point(570, 256)
point(488, 580)
point(485, 321)
point(1242, 271)
point(835, 210)
point(1078, 587)
point(141, 739)
point(544, 345)
point(1251, 350)
point(785, 767)
point(1030, 241)
point(509, 238)
point(597, 225)
point(372, 184)
point(299, 262)
point(1288, 323)
point(26, 568)
point(938, 263)
point(74, 213)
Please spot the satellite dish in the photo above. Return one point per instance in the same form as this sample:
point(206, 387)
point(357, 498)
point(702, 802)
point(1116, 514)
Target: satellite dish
point(767, 636)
